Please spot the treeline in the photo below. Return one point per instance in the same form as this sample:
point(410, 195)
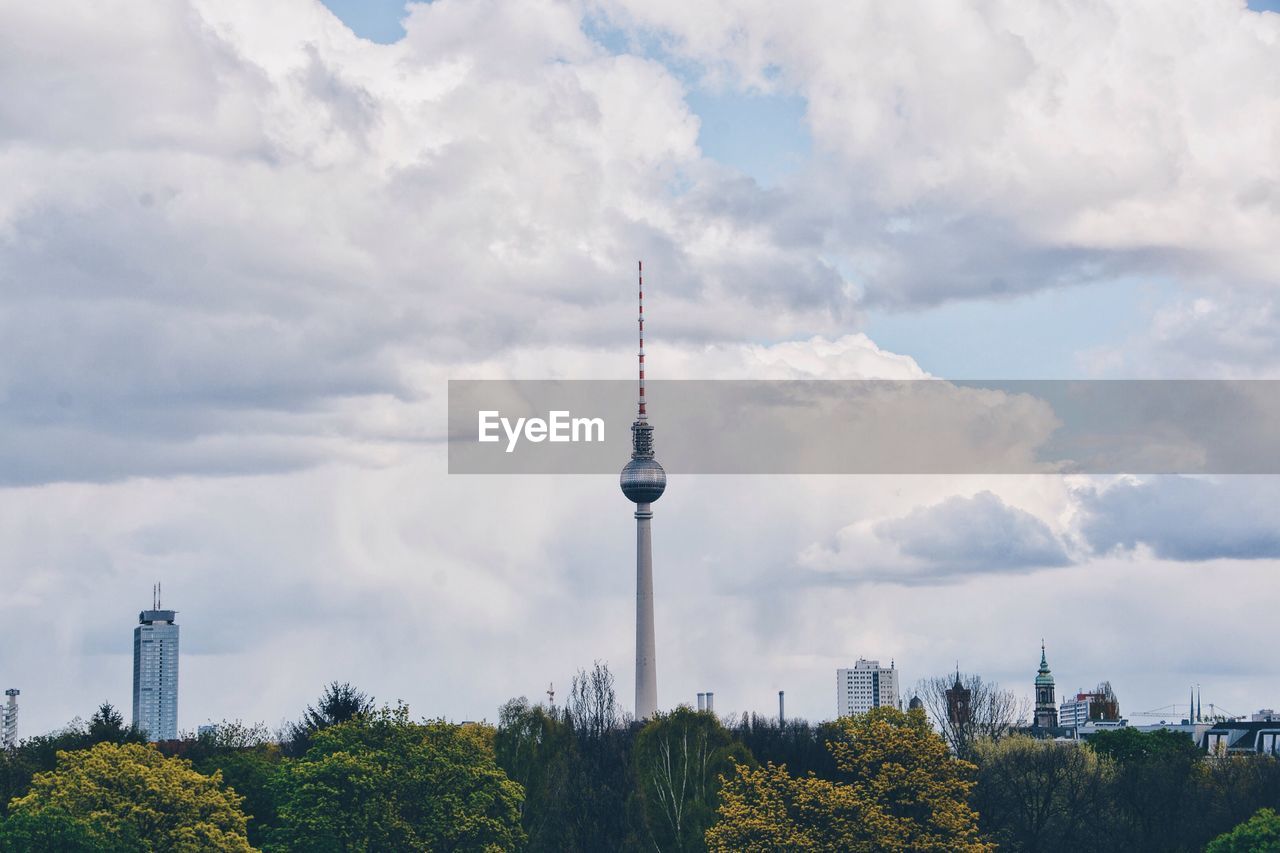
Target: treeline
point(354, 776)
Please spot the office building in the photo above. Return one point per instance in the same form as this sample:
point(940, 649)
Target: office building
point(155, 672)
point(865, 686)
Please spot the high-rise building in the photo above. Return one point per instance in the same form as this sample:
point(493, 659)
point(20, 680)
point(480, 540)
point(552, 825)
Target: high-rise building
point(643, 481)
point(155, 672)
point(9, 719)
point(865, 686)
point(1046, 707)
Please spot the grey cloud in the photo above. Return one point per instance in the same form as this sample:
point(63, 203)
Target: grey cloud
point(977, 534)
point(1183, 518)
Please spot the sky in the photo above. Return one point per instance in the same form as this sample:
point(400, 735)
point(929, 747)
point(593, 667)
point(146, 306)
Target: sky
point(243, 247)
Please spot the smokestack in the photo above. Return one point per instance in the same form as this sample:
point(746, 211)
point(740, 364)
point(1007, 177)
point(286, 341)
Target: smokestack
point(782, 713)
point(711, 702)
point(702, 701)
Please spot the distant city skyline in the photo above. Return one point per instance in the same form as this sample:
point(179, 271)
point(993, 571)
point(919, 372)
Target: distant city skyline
point(242, 253)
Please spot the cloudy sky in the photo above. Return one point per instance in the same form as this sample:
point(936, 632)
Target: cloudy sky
point(243, 246)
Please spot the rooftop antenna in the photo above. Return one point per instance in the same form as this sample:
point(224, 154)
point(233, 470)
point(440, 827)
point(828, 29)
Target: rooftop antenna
point(159, 595)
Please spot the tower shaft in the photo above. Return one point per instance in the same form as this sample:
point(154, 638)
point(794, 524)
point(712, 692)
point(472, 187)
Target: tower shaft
point(646, 642)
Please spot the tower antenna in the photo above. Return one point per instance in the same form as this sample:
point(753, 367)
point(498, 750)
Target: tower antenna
point(640, 279)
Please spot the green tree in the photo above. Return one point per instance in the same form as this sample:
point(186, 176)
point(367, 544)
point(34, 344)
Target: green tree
point(339, 703)
point(1258, 834)
point(131, 794)
point(381, 782)
point(1037, 795)
point(679, 759)
point(900, 789)
point(248, 760)
point(1155, 791)
point(537, 750)
point(107, 726)
point(54, 831)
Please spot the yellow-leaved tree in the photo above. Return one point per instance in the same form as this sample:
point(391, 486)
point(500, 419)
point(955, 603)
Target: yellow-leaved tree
point(899, 789)
point(129, 796)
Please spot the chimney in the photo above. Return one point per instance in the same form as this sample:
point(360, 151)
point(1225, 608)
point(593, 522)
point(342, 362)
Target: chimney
point(711, 702)
point(702, 701)
point(782, 714)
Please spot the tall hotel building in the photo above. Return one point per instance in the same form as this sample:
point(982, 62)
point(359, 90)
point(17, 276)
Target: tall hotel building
point(155, 674)
point(867, 685)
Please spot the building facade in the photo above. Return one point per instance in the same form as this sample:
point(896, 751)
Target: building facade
point(155, 674)
point(865, 686)
point(9, 719)
point(1100, 706)
point(1046, 706)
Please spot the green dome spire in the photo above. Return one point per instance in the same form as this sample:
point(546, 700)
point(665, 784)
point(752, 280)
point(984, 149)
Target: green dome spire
point(1044, 678)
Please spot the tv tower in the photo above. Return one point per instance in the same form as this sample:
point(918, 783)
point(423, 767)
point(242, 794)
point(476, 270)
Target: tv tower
point(643, 481)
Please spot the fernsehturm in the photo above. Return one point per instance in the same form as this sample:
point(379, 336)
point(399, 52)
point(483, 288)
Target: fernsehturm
point(643, 482)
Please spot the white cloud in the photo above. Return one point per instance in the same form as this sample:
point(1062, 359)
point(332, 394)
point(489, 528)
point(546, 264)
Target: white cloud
point(235, 240)
point(995, 147)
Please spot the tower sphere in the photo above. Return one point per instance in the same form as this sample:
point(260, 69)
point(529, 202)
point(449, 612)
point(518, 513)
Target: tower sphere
point(643, 481)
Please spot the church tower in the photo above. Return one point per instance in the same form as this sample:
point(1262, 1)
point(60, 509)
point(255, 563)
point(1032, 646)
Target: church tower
point(1046, 707)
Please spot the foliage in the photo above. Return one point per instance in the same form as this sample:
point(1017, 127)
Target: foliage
point(1128, 745)
point(537, 750)
point(679, 759)
point(248, 760)
point(339, 703)
point(35, 754)
point(107, 726)
point(1155, 790)
point(131, 794)
point(54, 831)
point(381, 782)
point(1258, 834)
point(1040, 795)
point(900, 790)
point(795, 743)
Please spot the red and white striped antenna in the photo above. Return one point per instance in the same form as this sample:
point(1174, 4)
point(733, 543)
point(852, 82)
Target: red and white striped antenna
point(640, 274)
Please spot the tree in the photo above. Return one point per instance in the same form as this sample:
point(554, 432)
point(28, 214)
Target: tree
point(679, 759)
point(339, 703)
point(1037, 795)
point(107, 726)
point(1155, 790)
point(601, 756)
point(900, 790)
point(131, 795)
point(1127, 745)
point(537, 750)
point(991, 714)
point(381, 782)
point(53, 831)
point(1258, 834)
point(248, 760)
point(795, 743)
